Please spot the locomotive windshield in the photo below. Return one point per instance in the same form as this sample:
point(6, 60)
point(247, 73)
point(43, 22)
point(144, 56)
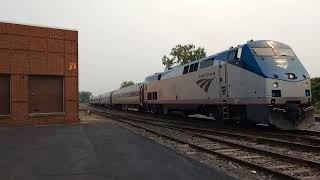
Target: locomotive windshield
point(273, 60)
point(264, 51)
point(273, 52)
point(285, 52)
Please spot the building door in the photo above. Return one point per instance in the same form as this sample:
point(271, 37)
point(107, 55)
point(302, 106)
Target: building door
point(45, 94)
point(4, 94)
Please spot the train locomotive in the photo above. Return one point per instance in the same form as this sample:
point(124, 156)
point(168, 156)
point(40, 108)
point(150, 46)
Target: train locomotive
point(261, 82)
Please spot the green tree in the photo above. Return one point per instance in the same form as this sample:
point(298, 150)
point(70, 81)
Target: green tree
point(315, 89)
point(183, 54)
point(168, 62)
point(84, 96)
point(126, 84)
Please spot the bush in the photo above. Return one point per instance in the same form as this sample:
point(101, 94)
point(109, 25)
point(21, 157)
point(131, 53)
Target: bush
point(315, 88)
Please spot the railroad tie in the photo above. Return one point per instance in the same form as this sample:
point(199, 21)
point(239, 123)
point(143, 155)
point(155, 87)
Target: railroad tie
point(310, 178)
point(264, 159)
point(282, 166)
point(227, 151)
point(211, 146)
point(216, 148)
point(297, 171)
point(249, 157)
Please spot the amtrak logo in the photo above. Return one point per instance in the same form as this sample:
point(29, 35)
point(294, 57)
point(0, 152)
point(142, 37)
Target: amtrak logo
point(204, 84)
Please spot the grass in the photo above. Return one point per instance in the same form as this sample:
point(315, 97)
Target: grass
point(317, 108)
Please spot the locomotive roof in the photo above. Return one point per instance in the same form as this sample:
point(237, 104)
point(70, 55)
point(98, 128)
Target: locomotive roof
point(257, 44)
point(266, 43)
point(252, 44)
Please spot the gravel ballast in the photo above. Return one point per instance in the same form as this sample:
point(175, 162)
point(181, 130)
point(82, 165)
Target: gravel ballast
point(231, 168)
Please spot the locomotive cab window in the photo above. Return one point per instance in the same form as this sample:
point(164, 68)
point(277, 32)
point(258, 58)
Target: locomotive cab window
point(185, 69)
point(232, 55)
point(4, 94)
point(196, 65)
point(206, 63)
point(193, 67)
point(239, 51)
point(223, 56)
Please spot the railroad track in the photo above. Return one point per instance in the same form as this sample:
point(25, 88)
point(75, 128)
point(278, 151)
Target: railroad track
point(205, 122)
point(284, 166)
point(299, 144)
point(297, 137)
point(305, 133)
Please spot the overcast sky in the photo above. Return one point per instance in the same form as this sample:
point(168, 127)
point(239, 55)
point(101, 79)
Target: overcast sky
point(125, 39)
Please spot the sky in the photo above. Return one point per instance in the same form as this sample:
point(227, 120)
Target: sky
point(125, 39)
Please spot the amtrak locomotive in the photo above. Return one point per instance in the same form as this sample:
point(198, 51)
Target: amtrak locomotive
point(257, 82)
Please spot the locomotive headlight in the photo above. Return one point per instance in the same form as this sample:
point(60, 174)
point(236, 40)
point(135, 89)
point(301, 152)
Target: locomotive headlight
point(291, 76)
point(275, 85)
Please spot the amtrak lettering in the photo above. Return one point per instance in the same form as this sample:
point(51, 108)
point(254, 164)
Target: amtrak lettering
point(207, 75)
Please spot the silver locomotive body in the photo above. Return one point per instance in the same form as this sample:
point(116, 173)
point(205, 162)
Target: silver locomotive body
point(258, 82)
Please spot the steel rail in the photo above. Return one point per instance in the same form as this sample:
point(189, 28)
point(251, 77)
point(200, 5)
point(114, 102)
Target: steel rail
point(303, 136)
point(289, 159)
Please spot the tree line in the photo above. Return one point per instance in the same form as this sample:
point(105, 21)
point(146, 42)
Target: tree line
point(179, 55)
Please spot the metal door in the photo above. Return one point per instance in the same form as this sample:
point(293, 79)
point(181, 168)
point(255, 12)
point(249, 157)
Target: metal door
point(141, 95)
point(223, 80)
point(111, 93)
point(45, 94)
point(4, 94)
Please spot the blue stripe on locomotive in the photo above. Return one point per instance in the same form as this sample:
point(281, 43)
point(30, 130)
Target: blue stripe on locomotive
point(265, 66)
point(249, 62)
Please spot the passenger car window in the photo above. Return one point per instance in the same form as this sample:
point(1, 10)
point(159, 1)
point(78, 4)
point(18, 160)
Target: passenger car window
point(196, 65)
point(185, 69)
point(154, 96)
point(191, 68)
